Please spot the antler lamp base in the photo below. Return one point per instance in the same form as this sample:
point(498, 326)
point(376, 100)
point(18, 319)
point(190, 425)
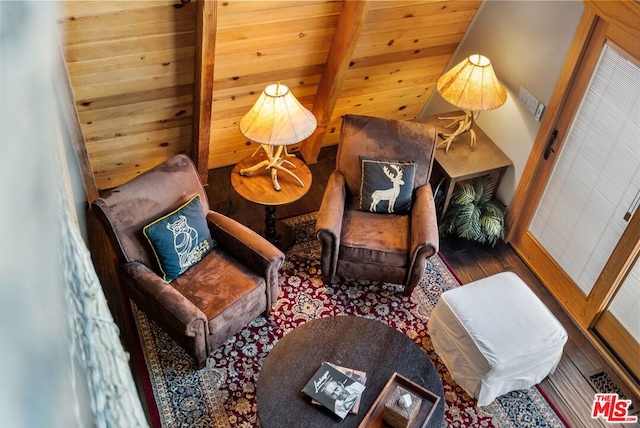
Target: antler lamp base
point(465, 124)
point(277, 156)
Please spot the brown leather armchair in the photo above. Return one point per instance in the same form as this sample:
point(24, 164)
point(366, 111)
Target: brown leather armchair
point(386, 247)
point(215, 298)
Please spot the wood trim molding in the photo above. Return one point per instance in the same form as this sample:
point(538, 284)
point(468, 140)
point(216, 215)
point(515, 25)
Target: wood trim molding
point(623, 14)
point(519, 215)
point(206, 22)
point(617, 337)
point(571, 99)
point(584, 309)
point(345, 39)
point(546, 269)
point(620, 262)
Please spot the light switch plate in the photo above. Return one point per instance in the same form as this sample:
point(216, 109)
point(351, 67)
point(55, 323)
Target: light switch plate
point(530, 102)
point(539, 111)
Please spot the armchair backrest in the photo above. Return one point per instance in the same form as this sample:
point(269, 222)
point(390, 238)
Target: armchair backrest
point(384, 139)
point(126, 209)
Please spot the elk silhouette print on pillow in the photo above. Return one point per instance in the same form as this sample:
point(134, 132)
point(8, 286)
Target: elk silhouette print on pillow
point(391, 194)
point(386, 186)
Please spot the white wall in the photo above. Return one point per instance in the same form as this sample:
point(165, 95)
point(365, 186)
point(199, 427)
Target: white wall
point(527, 42)
point(35, 389)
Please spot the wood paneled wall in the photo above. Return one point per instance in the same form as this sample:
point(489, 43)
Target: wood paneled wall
point(131, 66)
point(403, 49)
point(259, 43)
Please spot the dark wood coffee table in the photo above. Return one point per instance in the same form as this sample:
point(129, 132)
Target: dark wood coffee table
point(349, 341)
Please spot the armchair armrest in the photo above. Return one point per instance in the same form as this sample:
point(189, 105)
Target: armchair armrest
point(329, 223)
point(424, 234)
point(252, 249)
point(162, 300)
point(424, 221)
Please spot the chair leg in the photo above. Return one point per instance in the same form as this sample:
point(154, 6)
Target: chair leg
point(200, 346)
point(201, 363)
point(408, 290)
point(327, 279)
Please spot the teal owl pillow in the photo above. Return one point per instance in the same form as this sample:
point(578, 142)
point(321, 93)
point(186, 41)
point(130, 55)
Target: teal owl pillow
point(386, 186)
point(180, 239)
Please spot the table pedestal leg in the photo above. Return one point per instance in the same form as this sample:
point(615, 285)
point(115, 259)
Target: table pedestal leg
point(278, 233)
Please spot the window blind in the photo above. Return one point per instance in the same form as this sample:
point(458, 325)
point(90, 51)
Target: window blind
point(584, 208)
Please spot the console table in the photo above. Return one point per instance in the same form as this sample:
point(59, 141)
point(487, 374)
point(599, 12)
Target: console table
point(355, 342)
point(462, 162)
point(258, 188)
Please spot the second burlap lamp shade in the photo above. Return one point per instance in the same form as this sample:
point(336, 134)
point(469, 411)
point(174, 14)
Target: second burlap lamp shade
point(472, 86)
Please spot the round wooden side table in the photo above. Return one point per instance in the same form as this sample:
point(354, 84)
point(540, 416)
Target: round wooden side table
point(258, 188)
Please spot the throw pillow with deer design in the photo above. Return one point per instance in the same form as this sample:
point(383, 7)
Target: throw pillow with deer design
point(386, 186)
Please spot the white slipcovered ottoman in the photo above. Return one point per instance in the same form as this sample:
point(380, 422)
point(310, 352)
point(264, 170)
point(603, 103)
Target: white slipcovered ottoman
point(495, 336)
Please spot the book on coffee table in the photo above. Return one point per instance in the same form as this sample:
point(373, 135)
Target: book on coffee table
point(358, 375)
point(334, 390)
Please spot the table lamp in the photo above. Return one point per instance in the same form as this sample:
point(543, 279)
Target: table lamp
point(276, 120)
point(472, 86)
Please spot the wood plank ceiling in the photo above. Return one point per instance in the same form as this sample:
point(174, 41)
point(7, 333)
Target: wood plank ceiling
point(132, 69)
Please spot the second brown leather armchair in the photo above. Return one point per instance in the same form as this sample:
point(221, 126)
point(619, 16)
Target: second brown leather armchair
point(378, 246)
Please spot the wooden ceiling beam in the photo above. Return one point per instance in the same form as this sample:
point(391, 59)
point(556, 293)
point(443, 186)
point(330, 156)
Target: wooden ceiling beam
point(348, 29)
point(206, 22)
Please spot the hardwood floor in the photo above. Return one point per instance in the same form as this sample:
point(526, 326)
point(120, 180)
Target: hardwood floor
point(567, 388)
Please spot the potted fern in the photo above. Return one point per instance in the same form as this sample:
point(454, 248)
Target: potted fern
point(473, 213)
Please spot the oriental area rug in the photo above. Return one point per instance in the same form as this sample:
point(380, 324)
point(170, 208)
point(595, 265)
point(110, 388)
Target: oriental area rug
point(223, 394)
